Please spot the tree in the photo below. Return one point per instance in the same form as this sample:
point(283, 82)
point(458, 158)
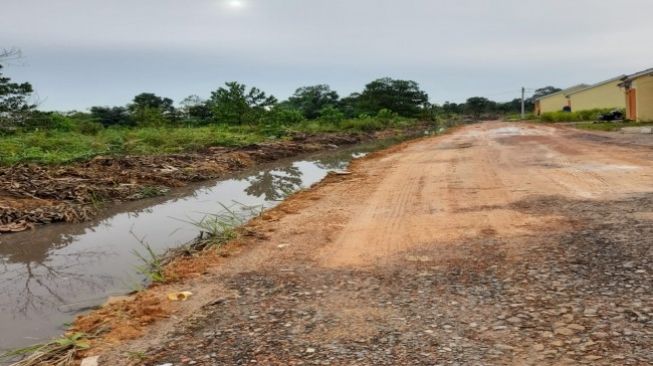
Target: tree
point(283, 115)
point(452, 108)
point(401, 96)
point(236, 106)
point(310, 100)
point(14, 97)
point(151, 109)
point(476, 106)
point(111, 116)
point(545, 91)
point(513, 106)
point(350, 105)
point(195, 107)
point(331, 114)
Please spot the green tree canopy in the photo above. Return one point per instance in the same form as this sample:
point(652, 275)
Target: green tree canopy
point(195, 107)
point(545, 91)
point(14, 99)
point(235, 105)
point(111, 116)
point(476, 106)
point(401, 96)
point(310, 100)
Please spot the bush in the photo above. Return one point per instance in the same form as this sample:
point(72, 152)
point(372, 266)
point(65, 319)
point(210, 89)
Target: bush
point(386, 116)
point(331, 114)
point(366, 124)
point(280, 115)
point(587, 115)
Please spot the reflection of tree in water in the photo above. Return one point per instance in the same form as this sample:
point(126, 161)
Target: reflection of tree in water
point(40, 286)
point(275, 184)
point(35, 276)
point(331, 164)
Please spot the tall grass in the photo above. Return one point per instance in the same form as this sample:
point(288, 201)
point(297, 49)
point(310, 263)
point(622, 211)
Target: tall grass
point(580, 116)
point(65, 146)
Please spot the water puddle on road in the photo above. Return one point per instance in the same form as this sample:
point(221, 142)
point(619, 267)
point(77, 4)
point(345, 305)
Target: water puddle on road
point(51, 274)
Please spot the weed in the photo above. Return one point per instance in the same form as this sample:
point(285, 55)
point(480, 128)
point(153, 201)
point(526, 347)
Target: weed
point(137, 355)
point(609, 126)
point(67, 146)
point(153, 264)
point(580, 116)
point(218, 229)
point(152, 191)
point(58, 352)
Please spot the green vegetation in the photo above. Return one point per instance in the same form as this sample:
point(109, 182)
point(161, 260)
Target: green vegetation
point(609, 126)
point(152, 264)
point(580, 116)
point(58, 352)
point(57, 146)
point(233, 115)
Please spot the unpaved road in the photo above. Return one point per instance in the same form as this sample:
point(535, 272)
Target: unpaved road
point(497, 244)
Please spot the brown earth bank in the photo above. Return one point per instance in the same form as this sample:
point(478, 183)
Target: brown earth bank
point(498, 244)
point(32, 194)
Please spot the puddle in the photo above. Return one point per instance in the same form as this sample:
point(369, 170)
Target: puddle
point(49, 275)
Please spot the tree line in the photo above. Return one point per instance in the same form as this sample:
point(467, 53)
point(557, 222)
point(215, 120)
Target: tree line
point(237, 104)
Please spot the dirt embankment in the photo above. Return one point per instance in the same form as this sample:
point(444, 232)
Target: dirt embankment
point(32, 194)
point(499, 244)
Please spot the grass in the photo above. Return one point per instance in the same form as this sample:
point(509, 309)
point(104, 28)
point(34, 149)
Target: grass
point(219, 229)
point(610, 126)
point(58, 352)
point(580, 116)
point(516, 117)
point(152, 191)
point(152, 264)
point(62, 147)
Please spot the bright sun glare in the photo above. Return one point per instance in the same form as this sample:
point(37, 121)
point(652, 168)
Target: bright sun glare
point(236, 3)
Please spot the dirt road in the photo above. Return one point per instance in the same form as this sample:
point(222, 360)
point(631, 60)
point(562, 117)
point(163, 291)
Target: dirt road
point(497, 244)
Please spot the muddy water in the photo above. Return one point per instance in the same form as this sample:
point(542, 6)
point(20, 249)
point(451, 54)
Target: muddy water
point(49, 275)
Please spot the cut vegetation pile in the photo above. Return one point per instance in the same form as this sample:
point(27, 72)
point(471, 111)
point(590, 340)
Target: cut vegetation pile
point(33, 194)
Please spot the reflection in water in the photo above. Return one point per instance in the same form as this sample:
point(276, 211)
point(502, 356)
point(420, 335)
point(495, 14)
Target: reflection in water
point(49, 274)
point(275, 185)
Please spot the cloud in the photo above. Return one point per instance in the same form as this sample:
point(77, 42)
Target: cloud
point(455, 49)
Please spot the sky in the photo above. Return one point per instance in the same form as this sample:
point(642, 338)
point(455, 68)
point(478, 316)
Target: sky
point(81, 53)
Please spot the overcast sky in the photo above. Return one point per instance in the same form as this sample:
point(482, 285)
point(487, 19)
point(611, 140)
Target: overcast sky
point(80, 53)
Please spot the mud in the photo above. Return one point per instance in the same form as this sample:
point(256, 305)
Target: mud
point(31, 195)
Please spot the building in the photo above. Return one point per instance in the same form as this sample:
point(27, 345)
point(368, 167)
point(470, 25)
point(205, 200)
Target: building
point(555, 102)
point(639, 96)
point(604, 95)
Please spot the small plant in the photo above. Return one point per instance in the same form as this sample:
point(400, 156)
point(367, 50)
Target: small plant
point(152, 266)
point(137, 355)
point(152, 191)
point(58, 352)
point(218, 229)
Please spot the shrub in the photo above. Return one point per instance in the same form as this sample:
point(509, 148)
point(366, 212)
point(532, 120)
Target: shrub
point(331, 114)
point(586, 115)
point(367, 124)
point(280, 115)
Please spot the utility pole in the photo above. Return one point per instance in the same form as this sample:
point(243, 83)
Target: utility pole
point(523, 103)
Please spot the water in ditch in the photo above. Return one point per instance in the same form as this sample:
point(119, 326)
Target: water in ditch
point(51, 274)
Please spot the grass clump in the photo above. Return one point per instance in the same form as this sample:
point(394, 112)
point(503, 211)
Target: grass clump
point(54, 146)
point(609, 126)
point(152, 266)
point(220, 228)
point(58, 352)
point(580, 116)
